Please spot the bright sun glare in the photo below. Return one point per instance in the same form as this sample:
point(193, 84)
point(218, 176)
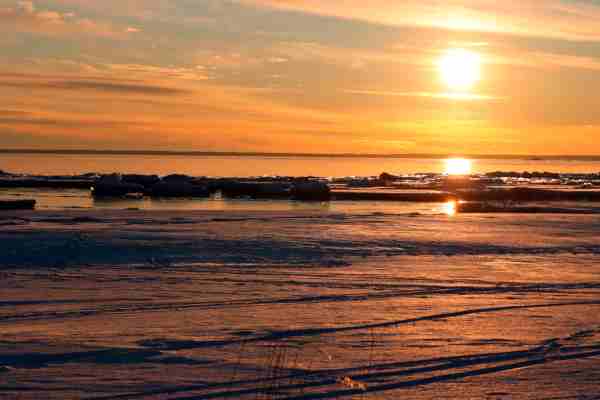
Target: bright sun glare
point(458, 166)
point(449, 208)
point(460, 69)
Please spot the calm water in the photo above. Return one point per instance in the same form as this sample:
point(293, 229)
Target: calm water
point(244, 166)
point(45, 164)
point(52, 199)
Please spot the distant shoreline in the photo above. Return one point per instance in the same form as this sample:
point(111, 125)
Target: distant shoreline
point(295, 155)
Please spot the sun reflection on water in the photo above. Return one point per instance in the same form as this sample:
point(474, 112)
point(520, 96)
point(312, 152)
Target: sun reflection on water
point(458, 166)
point(449, 208)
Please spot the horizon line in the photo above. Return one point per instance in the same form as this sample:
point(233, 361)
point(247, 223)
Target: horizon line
point(533, 157)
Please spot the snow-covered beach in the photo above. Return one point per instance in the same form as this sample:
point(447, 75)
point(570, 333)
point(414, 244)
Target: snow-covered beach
point(306, 303)
point(416, 285)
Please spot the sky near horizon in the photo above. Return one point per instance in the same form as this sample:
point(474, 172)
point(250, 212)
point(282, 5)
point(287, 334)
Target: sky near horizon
point(310, 76)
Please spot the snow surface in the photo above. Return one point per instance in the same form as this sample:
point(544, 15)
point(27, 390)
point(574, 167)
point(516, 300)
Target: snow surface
point(307, 303)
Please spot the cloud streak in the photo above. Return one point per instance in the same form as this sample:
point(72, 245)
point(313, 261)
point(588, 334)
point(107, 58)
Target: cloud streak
point(63, 123)
point(432, 95)
point(24, 16)
point(550, 18)
point(97, 86)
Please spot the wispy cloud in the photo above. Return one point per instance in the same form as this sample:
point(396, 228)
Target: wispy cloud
point(13, 113)
point(38, 82)
point(145, 71)
point(443, 95)
point(25, 16)
point(551, 18)
point(31, 120)
point(545, 60)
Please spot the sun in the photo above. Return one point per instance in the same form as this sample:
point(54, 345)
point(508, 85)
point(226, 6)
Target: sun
point(458, 166)
point(460, 69)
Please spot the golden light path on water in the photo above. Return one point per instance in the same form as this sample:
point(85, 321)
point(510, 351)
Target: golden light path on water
point(456, 167)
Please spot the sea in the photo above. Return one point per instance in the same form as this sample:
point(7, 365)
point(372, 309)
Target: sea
point(281, 165)
point(251, 166)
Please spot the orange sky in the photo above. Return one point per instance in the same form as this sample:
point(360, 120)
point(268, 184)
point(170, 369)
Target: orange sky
point(300, 76)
